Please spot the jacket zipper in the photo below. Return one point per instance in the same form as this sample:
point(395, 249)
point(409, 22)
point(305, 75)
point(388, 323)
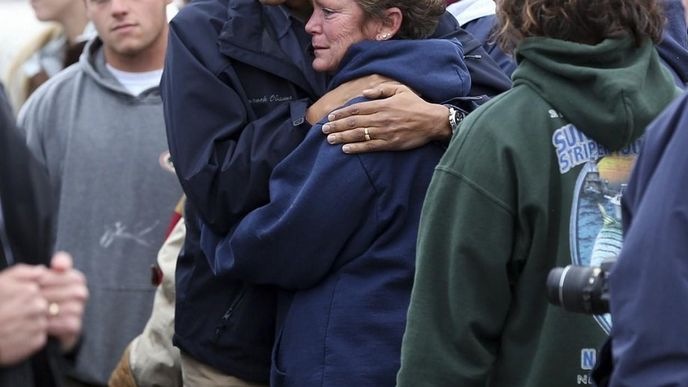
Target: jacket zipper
point(219, 330)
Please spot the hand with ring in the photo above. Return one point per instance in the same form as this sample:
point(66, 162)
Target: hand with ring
point(65, 290)
point(395, 119)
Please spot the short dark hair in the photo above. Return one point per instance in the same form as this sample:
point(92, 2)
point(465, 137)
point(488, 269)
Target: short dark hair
point(582, 21)
point(420, 17)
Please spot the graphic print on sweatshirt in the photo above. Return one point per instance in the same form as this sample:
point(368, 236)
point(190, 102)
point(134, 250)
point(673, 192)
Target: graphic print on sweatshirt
point(595, 233)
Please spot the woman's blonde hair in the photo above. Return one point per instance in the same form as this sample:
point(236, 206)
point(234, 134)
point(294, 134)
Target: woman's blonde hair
point(17, 83)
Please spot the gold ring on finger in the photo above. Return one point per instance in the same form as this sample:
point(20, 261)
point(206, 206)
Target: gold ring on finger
point(367, 134)
point(53, 309)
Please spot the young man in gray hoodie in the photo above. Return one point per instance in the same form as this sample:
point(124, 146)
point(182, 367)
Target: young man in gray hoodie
point(98, 127)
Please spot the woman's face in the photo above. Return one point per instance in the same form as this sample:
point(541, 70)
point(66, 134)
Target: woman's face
point(335, 25)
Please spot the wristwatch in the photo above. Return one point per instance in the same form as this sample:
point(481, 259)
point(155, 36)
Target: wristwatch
point(456, 115)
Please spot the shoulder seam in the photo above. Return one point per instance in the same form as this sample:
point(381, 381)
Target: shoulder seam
point(475, 186)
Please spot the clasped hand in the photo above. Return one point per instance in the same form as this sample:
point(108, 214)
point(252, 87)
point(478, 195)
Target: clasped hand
point(37, 302)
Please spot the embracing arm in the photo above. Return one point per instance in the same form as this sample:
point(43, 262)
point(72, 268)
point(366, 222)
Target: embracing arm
point(396, 118)
point(319, 201)
point(222, 156)
point(342, 94)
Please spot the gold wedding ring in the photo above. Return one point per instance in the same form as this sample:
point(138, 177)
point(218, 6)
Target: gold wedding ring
point(53, 309)
point(367, 134)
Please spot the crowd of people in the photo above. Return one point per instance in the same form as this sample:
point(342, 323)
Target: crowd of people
point(296, 193)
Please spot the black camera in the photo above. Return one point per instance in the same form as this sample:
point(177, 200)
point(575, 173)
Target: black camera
point(580, 289)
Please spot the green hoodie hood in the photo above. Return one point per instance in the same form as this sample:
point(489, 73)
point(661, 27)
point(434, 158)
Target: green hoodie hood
point(592, 86)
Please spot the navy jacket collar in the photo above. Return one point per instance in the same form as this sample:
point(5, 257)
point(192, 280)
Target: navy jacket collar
point(262, 37)
point(445, 74)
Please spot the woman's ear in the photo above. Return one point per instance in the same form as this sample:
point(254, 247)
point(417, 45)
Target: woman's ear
point(390, 24)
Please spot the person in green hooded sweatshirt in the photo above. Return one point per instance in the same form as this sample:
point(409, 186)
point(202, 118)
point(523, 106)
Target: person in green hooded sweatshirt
point(533, 180)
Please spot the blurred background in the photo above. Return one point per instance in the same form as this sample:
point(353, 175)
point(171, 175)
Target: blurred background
point(17, 26)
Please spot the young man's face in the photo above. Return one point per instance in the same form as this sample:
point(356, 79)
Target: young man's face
point(129, 27)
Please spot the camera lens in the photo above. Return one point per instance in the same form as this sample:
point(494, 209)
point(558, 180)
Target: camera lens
point(554, 285)
point(575, 288)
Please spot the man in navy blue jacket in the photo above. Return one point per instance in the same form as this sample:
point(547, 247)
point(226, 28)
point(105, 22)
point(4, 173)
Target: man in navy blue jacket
point(237, 88)
point(235, 91)
point(649, 282)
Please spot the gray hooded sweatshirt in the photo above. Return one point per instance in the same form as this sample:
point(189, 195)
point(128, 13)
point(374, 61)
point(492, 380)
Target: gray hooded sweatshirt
point(106, 153)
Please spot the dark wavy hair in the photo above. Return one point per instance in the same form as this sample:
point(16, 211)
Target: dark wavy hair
point(420, 17)
point(581, 21)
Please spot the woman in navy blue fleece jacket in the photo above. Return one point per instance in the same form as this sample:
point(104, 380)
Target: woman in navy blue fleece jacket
point(339, 232)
